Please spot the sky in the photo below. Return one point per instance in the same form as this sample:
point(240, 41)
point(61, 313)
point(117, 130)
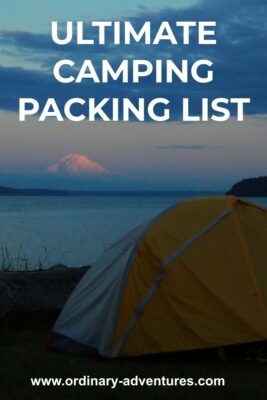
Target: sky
point(31, 15)
point(169, 156)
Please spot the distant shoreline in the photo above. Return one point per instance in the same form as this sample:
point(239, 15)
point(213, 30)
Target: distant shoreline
point(8, 192)
point(250, 187)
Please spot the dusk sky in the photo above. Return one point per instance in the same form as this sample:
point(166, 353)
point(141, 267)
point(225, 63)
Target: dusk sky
point(167, 156)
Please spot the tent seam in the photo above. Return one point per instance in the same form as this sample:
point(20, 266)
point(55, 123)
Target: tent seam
point(130, 261)
point(140, 308)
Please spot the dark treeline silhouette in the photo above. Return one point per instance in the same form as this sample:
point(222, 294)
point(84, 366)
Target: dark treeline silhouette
point(251, 187)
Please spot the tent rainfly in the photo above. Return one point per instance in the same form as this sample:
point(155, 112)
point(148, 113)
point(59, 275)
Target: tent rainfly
point(194, 277)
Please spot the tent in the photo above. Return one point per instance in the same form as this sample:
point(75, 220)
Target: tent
point(194, 277)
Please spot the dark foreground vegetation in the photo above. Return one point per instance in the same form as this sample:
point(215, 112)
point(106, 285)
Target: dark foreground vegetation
point(252, 187)
point(23, 356)
point(25, 291)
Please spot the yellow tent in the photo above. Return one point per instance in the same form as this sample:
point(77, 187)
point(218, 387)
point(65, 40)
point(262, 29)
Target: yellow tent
point(194, 277)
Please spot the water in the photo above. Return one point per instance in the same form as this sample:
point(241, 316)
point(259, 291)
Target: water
point(71, 230)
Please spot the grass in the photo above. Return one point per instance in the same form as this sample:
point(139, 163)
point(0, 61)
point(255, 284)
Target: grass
point(23, 355)
point(19, 261)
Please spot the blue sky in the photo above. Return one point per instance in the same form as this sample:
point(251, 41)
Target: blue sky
point(171, 155)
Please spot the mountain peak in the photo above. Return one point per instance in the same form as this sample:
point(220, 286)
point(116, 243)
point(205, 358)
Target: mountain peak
point(77, 164)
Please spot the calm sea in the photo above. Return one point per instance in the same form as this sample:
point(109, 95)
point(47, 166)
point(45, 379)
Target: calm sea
point(43, 231)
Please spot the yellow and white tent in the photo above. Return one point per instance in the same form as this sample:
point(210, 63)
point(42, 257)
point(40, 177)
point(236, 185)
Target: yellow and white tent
point(194, 277)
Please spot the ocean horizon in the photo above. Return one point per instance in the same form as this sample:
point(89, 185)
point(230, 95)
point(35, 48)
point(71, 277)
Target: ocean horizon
point(42, 231)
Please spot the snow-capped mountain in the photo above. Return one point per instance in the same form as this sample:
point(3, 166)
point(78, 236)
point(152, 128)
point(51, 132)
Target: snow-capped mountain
point(77, 164)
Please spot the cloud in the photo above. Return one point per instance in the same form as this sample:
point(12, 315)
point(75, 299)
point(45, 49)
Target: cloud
point(187, 147)
point(240, 60)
